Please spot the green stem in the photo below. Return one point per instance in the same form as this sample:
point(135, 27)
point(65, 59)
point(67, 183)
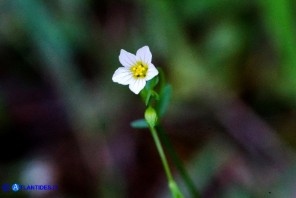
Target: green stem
point(161, 153)
point(179, 165)
point(172, 184)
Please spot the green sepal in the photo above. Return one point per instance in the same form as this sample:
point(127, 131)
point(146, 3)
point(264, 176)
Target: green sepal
point(139, 124)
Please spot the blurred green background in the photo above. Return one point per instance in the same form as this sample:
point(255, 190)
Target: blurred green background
point(232, 66)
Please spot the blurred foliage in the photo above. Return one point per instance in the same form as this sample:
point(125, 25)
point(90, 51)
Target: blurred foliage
point(232, 67)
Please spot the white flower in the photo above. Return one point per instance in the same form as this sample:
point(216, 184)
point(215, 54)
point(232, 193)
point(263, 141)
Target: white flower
point(136, 70)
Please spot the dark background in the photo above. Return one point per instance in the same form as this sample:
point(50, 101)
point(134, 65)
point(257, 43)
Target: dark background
point(232, 66)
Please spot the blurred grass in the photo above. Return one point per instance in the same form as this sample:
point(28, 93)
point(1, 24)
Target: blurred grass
point(279, 17)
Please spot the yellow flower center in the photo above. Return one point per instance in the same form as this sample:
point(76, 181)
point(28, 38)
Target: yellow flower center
point(139, 70)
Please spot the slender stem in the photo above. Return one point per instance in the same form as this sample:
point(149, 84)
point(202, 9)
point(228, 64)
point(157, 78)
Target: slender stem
point(172, 184)
point(179, 165)
point(161, 153)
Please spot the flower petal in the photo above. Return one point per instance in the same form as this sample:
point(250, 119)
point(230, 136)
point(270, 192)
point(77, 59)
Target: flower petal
point(122, 76)
point(137, 85)
point(152, 72)
point(127, 59)
point(144, 54)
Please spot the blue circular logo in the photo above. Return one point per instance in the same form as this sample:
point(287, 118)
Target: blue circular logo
point(5, 187)
point(15, 187)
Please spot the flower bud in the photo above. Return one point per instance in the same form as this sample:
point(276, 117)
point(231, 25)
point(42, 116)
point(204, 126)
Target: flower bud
point(151, 116)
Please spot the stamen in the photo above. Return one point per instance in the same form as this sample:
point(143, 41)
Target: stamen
point(139, 70)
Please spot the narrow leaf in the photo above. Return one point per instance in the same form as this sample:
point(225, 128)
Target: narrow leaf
point(165, 97)
point(148, 98)
point(152, 83)
point(139, 124)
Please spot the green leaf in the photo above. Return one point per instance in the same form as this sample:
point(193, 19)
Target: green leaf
point(151, 83)
point(148, 98)
point(145, 95)
point(165, 97)
point(139, 124)
point(161, 77)
point(147, 92)
point(155, 94)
